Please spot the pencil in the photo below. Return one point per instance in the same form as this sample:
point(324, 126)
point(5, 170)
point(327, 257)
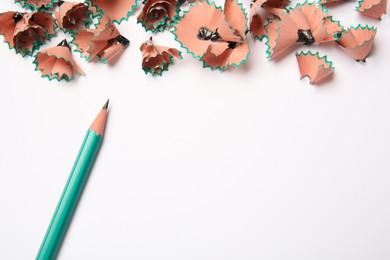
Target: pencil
point(73, 188)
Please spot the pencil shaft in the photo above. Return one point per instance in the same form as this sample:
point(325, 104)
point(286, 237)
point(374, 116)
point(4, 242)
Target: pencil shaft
point(70, 196)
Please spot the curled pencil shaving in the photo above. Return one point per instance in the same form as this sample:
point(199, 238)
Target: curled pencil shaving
point(104, 43)
point(37, 4)
point(313, 66)
point(156, 59)
point(158, 15)
point(307, 23)
point(372, 8)
point(203, 27)
point(26, 32)
point(275, 7)
point(57, 63)
point(235, 53)
point(214, 36)
point(357, 42)
point(118, 10)
point(72, 16)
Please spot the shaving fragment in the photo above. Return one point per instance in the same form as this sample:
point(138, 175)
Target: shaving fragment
point(72, 16)
point(307, 23)
point(158, 15)
point(57, 63)
point(256, 25)
point(117, 10)
point(26, 32)
point(156, 59)
point(357, 41)
point(372, 8)
point(313, 66)
point(103, 43)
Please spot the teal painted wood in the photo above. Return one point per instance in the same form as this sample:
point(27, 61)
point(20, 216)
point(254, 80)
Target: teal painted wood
point(70, 196)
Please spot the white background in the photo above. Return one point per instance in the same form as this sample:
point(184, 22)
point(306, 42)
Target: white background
point(251, 163)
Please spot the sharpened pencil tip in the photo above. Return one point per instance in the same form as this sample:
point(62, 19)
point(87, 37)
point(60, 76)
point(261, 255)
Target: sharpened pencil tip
point(106, 105)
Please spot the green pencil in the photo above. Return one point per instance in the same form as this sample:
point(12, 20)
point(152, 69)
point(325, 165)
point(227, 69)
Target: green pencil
point(73, 188)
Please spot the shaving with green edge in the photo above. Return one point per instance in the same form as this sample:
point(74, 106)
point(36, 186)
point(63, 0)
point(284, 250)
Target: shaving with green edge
point(156, 59)
point(317, 68)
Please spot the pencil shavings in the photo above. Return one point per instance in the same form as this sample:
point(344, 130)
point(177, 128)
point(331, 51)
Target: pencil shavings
point(26, 32)
point(158, 15)
point(117, 10)
point(372, 8)
point(205, 33)
point(357, 41)
point(103, 43)
point(307, 23)
point(37, 4)
point(72, 16)
point(57, 63)
point(313, 66)
point(235, 53)
point(256, 25)
point(156, 59)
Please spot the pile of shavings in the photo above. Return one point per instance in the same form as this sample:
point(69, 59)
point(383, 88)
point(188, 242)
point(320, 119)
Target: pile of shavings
point(216, 35)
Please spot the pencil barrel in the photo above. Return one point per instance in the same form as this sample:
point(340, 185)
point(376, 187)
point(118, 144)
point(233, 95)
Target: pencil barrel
point(70, 195)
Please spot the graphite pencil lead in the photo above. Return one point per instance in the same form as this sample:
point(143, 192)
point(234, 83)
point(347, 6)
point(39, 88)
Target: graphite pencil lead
point(106, 105)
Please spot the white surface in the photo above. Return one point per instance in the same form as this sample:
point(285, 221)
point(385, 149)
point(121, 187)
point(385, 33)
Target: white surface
point(247, 164)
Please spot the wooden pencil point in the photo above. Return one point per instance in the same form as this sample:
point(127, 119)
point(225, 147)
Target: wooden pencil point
point(99, 123)
point(106, 104)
